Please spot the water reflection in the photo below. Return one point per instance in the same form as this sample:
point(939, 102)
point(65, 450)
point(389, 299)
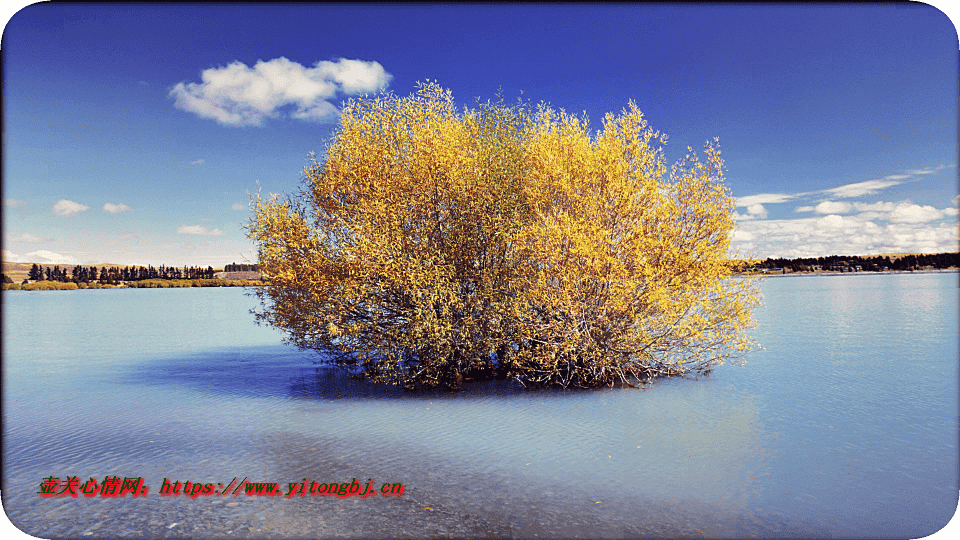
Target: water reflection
point(844, 425)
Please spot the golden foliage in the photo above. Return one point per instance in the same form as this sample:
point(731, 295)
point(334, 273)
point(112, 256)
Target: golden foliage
point(432, 246)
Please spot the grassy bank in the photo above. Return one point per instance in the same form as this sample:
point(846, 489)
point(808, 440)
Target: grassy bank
point(144, 284)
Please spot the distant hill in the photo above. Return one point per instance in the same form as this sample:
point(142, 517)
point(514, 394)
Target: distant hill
point(19, 271)
point(16, 271)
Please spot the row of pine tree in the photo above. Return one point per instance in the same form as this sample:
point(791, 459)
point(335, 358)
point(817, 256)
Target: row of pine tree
point(114, 275)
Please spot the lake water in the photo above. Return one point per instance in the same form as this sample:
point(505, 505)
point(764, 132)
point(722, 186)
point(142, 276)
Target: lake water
point(844, 424)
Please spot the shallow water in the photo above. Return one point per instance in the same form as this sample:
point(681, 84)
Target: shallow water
point(844, 424)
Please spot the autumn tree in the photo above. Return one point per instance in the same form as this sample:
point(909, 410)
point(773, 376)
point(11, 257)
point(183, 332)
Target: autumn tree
point(432, 245)
point(396, 256)
point(628, 275)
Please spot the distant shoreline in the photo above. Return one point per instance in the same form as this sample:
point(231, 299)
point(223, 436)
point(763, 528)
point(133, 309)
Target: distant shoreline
point(860, 273)
point(45, 285)
point(189, 284)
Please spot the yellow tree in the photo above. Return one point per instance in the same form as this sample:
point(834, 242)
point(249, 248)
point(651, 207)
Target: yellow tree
point(394, 257)
point(629, 275)
point(432, 246)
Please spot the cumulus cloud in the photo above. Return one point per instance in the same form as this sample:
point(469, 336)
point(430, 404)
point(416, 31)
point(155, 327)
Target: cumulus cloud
point(740, 235)
point(847, 235)
point(804, 209)
point(238, 206)
point(14, 203)
point(9, 256)
point(754, 211)
point(914, 213)
point(757, 210)
point(116, 208)
point(879, 206)
point(239, 95)
point(27, 238)
point(65, 208)
point(952, 210)
point(199, 230)
point(831, 207)
point(831, 224)
point(197, 162)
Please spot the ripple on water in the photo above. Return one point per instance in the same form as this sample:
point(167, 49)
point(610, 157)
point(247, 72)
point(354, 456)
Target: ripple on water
point(841, 422)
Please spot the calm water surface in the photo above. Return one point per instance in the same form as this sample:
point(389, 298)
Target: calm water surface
point(844, 424)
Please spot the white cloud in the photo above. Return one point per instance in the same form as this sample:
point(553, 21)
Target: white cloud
point(9, 256)
point(861, 188)
point(914, 213)
point(742, 236)
point(65, 208)
point(902, 212)
point(27, 238)
point(757, 210)
point(14, 203)
point(879, 206)
point(844, 235)
point(926, 170)
point(765, 198)
point(47, 257)
point(828, 225)
point(199, 230)
point(831, 207)
point(238, 206)
point(116, 208)
point(856, 189)
point(238, 95)
point(197, 162)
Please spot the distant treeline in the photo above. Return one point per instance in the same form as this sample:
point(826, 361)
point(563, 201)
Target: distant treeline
point(850, 263)
point(234, 267)
point(114, 275)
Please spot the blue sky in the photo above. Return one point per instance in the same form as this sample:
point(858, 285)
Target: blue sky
point(134, 134)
